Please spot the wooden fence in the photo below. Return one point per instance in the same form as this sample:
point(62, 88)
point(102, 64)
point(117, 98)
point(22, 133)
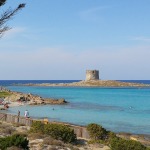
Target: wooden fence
point(80, 131)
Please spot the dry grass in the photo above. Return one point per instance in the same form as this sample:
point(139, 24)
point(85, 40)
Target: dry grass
point(8, 130)
point(33, 136)
point(71, 147)
point(14, 148)
point(53, 148)
point(51, 141)
point(18, 124)
point(2, 125)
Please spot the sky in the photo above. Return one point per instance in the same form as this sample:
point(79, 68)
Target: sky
point(61, 39)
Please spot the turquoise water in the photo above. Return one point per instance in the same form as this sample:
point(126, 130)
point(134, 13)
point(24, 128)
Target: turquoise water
point(117, 109)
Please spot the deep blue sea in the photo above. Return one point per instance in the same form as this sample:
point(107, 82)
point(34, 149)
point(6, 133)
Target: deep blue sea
point(117, 109)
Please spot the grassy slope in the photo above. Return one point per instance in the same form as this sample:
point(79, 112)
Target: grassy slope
point(4, 94)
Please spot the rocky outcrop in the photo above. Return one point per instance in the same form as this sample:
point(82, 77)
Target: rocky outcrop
point(33, 99)
point(49, 101)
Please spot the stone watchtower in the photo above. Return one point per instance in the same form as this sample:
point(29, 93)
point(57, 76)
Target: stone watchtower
point(92, 75)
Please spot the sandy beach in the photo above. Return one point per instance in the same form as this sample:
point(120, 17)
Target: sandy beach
point(13, 104)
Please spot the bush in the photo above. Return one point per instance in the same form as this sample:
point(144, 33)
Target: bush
point(99, 135)
point(111, 135)
point(122, 144)
point(37, 126)
point(14, 140)
point(97, 132)
point(56, 131)
point(60, 132)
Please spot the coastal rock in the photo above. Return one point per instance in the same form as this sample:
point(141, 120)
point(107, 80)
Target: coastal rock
point(55, 101)
point(48, 101)
point(32, 99)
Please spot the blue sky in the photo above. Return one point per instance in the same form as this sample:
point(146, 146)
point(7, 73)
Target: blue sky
point(60, 39)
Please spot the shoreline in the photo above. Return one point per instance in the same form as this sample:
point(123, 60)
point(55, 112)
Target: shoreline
point(13, 99)
point(13, 104)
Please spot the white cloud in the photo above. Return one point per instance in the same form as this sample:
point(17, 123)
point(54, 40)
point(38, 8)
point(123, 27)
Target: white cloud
point(93, 14)
point(13, 32)
point(141, 38)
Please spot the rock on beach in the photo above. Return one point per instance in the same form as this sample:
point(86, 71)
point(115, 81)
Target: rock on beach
point(32, 99)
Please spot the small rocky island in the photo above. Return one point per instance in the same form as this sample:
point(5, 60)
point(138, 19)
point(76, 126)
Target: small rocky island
point(92, 80)
point(93, 83)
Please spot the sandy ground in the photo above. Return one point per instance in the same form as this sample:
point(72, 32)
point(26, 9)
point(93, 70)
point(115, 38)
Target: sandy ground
point(13, 104)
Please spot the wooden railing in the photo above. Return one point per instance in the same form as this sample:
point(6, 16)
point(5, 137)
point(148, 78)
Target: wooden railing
point(80, 131)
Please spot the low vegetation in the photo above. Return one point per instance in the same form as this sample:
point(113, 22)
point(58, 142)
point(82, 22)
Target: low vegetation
point(97, 132)
point(59, 136)
point(4, 94)
point(16, 140)
point(100, 135)
point(6, 129)
point(56, 131)
point(122, 144)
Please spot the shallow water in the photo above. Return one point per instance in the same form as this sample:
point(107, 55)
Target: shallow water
point(117, 109)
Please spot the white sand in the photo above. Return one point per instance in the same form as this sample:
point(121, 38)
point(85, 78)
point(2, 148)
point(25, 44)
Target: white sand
point(13, 104)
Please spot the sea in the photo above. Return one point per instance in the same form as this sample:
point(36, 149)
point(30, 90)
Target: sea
point(120, 109)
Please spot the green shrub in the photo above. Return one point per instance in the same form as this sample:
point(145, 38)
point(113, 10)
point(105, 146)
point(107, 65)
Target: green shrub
point(99, 135)
point(14, 140)
point(111, 135)
point(4, 143)
point(37, 126)
point(56, 131)
point(97, 132)
point(60, 132)
point(122, 144)
point(4, 94)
